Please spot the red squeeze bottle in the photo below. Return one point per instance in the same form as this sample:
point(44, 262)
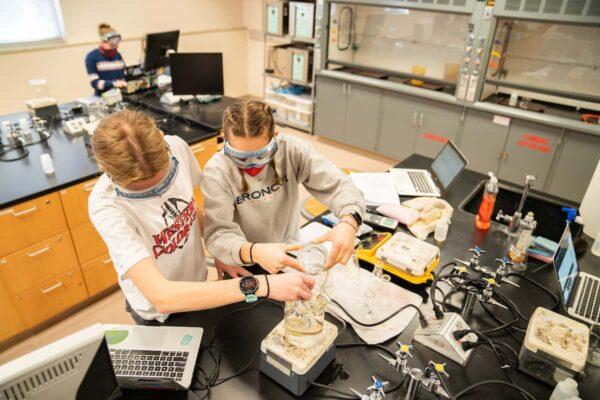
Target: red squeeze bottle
point(486, 208)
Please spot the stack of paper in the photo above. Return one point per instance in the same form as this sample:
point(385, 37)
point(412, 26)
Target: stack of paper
point(378, 188)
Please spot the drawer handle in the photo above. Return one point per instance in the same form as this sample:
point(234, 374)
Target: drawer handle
point(199, 149)
point(24, 212)
point(40, 251)
point(52, 288)
point(89, 186)
point(107, 261)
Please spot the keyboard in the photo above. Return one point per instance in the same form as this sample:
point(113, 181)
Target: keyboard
point(588, 305)
point(149, 363)
point(420, 181)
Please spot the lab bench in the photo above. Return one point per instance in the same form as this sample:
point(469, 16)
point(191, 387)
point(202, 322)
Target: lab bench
point(359, 363)
point(52, 260)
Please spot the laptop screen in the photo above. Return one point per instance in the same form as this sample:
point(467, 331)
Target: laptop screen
point(448, 164)
point(566, 266)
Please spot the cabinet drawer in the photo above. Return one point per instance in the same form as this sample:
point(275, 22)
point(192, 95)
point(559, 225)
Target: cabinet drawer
point(11, 320)
point(35, 264)
point(75, 202)
point(203, 151)
point(30, 222)
point(88, 243)
point(52, 297)
point(99, 274)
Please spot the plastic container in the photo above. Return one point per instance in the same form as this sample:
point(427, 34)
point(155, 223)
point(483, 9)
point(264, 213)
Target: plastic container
point(517, 249)
point(440, 231)
point(565, 390)
point(486, 208)
point(418, 70)
point(40, 88)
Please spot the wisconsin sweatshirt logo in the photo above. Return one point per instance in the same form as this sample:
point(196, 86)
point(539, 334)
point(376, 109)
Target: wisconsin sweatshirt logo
point(179, 216)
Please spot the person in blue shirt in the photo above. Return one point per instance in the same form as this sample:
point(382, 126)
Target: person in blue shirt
point(105, 66)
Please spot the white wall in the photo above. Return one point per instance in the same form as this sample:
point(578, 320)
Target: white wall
point(205, 25)
point(255, 45)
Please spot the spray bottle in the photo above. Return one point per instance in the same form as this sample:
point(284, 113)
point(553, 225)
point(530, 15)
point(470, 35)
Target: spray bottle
point(484, 216)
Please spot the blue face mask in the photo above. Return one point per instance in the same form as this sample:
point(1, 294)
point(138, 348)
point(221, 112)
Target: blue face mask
point(250, 159)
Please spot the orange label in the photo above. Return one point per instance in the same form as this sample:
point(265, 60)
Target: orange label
point(434, 138)
point(534, 142)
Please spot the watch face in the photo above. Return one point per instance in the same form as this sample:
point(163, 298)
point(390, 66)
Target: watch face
point(248, 285)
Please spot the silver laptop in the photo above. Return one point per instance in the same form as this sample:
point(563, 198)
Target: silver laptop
point(436, 179)
point(580, 291)
point(147, 357)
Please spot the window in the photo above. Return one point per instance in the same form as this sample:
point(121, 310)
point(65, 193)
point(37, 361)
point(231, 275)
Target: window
point(27, 22)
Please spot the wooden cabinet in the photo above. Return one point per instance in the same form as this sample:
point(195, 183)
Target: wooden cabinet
point(75, 202)
point(30, 222)
point(51, 297)
point(35, 264)
point(11, 320)
point(99, 274)
point(88, 243)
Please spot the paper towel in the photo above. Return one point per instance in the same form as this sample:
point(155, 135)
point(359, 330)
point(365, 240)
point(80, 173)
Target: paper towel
point(590, 206)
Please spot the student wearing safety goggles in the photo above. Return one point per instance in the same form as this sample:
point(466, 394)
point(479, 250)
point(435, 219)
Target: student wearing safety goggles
point(105, 66)
point(251, 191)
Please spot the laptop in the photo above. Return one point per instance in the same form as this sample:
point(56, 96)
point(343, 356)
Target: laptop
point(435, 180)
point(148, 357)
point(580, 291)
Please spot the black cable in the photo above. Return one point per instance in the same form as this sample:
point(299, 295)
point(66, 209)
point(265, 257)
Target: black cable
point(392, 315)
point(536, 270)
point(543, 288)
point(503, 325)
point(327, 387)
point(432, 289)
point(493, 382)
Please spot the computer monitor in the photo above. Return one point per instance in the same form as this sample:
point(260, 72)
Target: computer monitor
point(197, 73)
point(158, 46)
point(77, 366)
point(565, 264)
point(447, 165)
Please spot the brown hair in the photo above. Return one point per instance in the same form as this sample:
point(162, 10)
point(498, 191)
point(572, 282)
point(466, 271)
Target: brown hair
point(129, 147)
point(250, 118)
point(104, 28)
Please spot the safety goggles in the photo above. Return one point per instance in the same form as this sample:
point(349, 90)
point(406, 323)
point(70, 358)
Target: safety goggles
point(248, 159)
point(113, 37)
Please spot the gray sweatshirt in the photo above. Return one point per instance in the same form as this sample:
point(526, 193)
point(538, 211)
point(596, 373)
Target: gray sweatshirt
point(269, 212)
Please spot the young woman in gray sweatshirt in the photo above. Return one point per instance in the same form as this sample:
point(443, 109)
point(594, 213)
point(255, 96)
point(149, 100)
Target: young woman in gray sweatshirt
point(251, 191)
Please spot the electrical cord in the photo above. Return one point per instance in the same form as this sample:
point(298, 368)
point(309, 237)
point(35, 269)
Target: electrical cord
point(493, 382)
point(422, 318)
point(432, 289)
point(543, 288)
point(23, 148)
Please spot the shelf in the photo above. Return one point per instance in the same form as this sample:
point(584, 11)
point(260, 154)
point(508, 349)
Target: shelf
point(308, 85)
point(292, 125)
point(293, 38)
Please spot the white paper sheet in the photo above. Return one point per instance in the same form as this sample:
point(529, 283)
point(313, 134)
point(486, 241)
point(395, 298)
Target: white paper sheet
point(378, 188)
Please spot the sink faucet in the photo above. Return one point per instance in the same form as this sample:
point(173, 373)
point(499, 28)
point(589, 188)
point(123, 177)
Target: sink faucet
point(514, 221)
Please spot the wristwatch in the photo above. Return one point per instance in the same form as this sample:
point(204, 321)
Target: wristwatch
point(249, 287)
point(356, 216)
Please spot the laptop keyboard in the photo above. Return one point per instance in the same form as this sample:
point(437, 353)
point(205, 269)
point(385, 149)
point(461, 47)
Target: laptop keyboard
point(420, 181)
point(589, 302)
point(149, 363)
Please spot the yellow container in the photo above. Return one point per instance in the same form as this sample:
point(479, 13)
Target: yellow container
point(418, 70)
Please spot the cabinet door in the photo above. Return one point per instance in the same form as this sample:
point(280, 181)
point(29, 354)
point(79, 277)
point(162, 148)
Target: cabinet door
point(362, 116)
point(398, 126)
point(11, 320)
point(99, 274)
point(88, 243)
point(438, 123)
point(529, 151)
point(75, 202)
point(330, 111)
point(575, 167)
point(483, 141)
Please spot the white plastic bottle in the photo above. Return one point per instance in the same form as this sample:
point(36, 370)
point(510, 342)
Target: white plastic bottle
point(565, 390)
point(441, 229)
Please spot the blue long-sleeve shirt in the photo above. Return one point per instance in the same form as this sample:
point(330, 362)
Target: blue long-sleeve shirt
point(103, 71)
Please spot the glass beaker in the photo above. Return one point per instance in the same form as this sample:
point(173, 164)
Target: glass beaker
point(352, 268)
point(40, 88)
point(386, 282)
point(304, 319)
point(594, 349)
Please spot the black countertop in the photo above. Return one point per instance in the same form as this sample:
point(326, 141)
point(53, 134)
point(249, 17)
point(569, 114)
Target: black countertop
point(24, 179)
point(239, 335)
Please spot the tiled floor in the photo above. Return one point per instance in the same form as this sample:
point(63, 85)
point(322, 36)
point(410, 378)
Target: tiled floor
point(111, 309)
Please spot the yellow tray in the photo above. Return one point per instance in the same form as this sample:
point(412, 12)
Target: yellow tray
point(369, 256)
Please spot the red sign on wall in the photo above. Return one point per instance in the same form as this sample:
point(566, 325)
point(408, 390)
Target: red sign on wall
point(534, 143)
